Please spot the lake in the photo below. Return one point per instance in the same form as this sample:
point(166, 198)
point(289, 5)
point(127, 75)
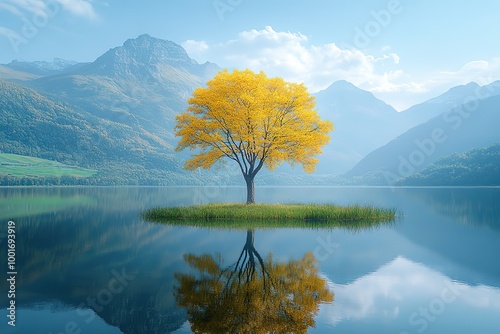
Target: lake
point(87, 263)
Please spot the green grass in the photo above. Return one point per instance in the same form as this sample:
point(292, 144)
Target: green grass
point(229, 215)
point(24, 166)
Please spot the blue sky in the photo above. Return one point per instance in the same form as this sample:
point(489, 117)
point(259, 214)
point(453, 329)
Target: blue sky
point(404, 51)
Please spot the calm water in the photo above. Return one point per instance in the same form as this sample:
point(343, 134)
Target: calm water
point(88, 263)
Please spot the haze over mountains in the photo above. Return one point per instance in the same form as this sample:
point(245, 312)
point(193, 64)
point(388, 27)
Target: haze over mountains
point(459, 128)
point(120, 111)
point(43, 68)
point(364, 123)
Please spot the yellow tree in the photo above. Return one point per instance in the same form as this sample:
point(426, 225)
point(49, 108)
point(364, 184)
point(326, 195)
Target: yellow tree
point(254, 120)
point(254, 295)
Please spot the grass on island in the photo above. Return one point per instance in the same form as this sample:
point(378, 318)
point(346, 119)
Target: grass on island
point(230, 215)
point(25, 166)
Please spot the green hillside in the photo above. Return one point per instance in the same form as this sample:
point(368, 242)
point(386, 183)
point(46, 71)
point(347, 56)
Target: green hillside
point(32, 125)
point(24, 166)
point(478, 167)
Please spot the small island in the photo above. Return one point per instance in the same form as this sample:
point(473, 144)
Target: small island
point(239, 215)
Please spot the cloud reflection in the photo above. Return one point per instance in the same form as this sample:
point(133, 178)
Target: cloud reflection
point(402, 288)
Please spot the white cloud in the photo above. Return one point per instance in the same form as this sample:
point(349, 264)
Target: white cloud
point(481, 71)
point(270, 35)
point(291, 56)
point(406, 93)
point(35, 7)
point(83, 8)
point(195, 49)
point(10, 8)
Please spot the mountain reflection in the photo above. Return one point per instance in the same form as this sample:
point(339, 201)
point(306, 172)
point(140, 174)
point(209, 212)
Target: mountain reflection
point(96, 263)
point(474, 206)
point(253, 295)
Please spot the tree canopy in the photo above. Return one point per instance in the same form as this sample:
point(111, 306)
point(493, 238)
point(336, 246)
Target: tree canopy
point(253, 120)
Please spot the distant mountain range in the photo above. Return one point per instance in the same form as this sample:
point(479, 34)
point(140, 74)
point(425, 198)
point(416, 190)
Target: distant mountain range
point(117, 115)
point(364, 123)
point(43, 68)
point(458, 129)
point(454, 97)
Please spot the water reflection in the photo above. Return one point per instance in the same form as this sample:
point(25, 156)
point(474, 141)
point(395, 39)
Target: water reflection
point(475, 206)
point(413, 298)
point(72, 242)
point(87, 263)
point(252, 295)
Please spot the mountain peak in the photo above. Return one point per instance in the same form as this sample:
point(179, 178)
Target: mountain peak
point(138, 54)
point(454, 95)
point(156, 50)
point(461, 88)
point(342, 87)
point(343, 84)
point(343, 91)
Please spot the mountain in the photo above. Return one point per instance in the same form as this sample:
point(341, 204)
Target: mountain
point(362, 123)
point(115, 115)
point(477, 167)
point(21, 71)
point(42, 68)
point(147, 56)
point(454, 97)
point(460, 129)
point(143, 84)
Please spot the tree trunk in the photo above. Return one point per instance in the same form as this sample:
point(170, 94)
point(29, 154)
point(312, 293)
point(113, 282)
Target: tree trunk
point(250, 190)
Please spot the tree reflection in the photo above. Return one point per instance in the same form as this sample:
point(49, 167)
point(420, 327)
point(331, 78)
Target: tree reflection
point(254, 295)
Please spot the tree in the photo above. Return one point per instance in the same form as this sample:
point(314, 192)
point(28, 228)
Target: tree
point(254, 120)
point(254, 295)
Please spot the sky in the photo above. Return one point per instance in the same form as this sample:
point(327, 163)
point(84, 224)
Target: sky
point(403, 51)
